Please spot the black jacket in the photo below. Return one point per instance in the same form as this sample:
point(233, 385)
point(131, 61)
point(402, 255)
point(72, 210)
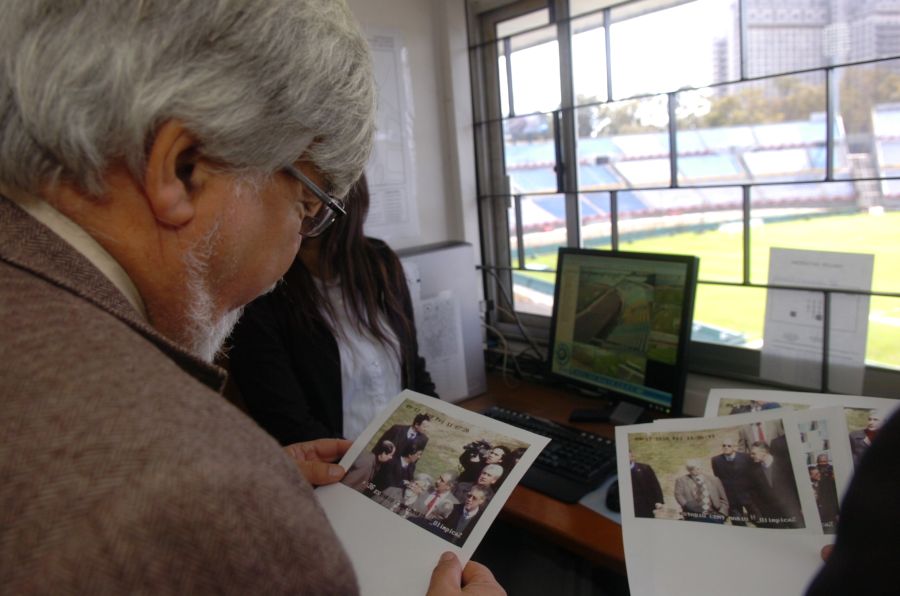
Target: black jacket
point(290, 380)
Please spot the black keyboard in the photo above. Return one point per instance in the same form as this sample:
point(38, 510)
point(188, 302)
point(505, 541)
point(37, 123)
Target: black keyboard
point(574, 463)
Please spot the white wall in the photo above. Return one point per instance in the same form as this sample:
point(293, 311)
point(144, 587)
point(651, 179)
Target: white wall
point(435, 37)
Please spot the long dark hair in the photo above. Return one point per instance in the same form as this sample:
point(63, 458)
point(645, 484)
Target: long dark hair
point(371, 290)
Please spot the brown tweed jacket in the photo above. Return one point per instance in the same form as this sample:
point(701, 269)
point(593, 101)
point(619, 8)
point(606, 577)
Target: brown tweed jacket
point(122, 470)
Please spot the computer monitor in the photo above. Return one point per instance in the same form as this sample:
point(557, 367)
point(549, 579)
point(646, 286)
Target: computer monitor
point(621, 327)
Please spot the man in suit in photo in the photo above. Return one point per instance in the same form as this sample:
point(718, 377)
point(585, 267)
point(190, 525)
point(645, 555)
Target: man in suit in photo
point(401, 434)
point(400, 470)
point(360, 475)
point(861, 440)
point(764, 431)
point(775, 496)
point(645, 488)
point(701, 496)
point(487, 480)
point(735, 469)
point(825, 492)
point(464, 516)
point(439, 502)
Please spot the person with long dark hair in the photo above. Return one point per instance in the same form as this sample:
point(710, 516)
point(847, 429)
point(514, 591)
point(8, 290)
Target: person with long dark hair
point(335, 341)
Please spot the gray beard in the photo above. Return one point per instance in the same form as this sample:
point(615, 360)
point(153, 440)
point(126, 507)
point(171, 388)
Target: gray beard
point(203, 335)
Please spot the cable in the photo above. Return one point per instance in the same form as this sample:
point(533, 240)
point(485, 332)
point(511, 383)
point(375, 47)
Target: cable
point(512, 313)
point(506, 354)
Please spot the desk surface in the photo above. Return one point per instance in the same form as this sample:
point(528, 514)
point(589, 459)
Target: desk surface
point(574, 527)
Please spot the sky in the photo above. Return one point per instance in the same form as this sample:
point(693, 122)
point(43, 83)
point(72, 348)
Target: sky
point(654, 53)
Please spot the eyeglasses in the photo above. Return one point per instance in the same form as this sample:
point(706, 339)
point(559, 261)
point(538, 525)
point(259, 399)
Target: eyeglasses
point(313, 225)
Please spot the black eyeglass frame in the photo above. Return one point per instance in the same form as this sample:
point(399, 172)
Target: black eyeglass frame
point(334, 204)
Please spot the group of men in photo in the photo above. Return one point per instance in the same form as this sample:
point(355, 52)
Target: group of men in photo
point(449, 504)
point(751, 485)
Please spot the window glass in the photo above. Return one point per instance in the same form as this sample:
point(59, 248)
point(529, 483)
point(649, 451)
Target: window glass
point(543, 231)
point(595, 212)
point(762, 131)
point(652, 53)
point(589, 60)
point(884, 319)
point(867, 97)
point(534, 68)
point(757, 127)
point(577, 7)
point(783, 36)
point(623, 144)
point(827, 217)
point(729, 315)
point(503, 85)
point(530, 154)
point(525, 22)
point(687, 221)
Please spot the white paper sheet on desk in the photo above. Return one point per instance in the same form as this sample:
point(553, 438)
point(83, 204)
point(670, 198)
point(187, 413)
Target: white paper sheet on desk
point(675, 556)
point(390, 553)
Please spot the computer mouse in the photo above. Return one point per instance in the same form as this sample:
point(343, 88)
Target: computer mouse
point(612, 496)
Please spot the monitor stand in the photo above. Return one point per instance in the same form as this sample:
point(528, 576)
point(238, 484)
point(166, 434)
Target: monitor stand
point(618, 414)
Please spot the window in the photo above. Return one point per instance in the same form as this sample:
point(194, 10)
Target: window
point(719, 128)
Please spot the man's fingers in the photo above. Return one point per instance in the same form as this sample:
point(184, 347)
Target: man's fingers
point(325, 449)
point(476, 574)
point(319, 450)
point(446, 577)
point(319, 473)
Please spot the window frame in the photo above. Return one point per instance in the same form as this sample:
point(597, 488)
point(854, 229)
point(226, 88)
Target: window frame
point(494, 198)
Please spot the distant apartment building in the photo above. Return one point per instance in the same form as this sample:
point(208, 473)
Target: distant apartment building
point(789, 35)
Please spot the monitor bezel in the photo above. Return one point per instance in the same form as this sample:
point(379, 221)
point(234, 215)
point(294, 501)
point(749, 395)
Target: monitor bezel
point(692, 264)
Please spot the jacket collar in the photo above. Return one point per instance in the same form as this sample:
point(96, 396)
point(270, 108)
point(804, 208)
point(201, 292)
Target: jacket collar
point(29, 245)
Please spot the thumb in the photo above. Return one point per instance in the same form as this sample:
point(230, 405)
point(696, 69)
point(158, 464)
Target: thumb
point(447, 575)
point(319, 473)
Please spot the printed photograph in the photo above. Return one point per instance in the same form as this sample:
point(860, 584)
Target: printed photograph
point(436, 471)
point(739, 476)
point(742, 406)
point(816, 444)
point(863, 424)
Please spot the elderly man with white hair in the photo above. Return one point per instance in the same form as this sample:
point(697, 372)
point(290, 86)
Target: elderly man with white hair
point(160, 162)
point(701, 496)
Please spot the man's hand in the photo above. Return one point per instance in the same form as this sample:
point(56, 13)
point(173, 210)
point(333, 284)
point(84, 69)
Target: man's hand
point(450, 579)
point(314, 459)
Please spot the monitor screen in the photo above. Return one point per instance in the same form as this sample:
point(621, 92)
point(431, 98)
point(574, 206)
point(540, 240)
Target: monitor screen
point(621, 324)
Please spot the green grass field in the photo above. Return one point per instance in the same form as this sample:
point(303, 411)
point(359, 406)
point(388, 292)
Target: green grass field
point(742, 309)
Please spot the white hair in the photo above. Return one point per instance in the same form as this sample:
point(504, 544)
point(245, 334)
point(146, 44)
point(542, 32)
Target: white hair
point(493, 470)
point(202, 333)
point(85, 83)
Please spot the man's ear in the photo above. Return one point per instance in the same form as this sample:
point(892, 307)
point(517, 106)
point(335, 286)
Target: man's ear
point(167, 181)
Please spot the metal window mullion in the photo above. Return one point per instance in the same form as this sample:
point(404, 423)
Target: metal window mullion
point(614, 219)
point(520, 235)
point(673, 142)
point(507, 53)
point(607, 13)
point(745, 202)
point(826, 331)
point(742, 71)
point(831, 91)
point(567, 152)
